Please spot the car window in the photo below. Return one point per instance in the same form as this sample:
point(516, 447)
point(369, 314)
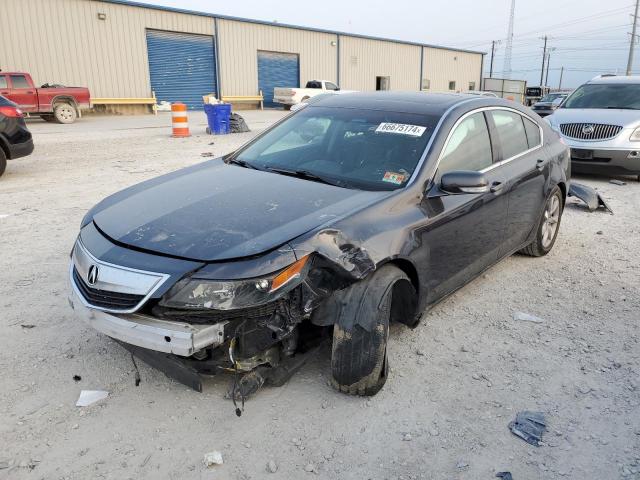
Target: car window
point(469, 146)
point(511, 134)
point(331, 86)
point(533, 132)
point(361, 149)
point(3, 82)
point(19, 81)
point(623, 96)
point(313, 84)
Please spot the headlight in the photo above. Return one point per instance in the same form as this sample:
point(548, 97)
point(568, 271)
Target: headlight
point(198, 294)
point(635, 136)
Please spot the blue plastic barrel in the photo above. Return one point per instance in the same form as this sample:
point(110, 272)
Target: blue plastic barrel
point(218, 118)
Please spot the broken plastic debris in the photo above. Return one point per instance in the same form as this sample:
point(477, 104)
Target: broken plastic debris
point(87, 397)
point(77, 378)
point(213, 458)
point(529, 426)
point(504, 475)
point(525, 317)
point(617, 182)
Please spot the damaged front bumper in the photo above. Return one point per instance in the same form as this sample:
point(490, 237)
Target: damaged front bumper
point(167, 336)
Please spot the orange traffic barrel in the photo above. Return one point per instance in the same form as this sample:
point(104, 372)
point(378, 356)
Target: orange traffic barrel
point(179, 120)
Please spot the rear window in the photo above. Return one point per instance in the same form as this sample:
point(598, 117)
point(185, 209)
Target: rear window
point(19, 81)
point(511, 133)
point(533, 132)
point(361, 149)
point(3, 82)
point(623, 96)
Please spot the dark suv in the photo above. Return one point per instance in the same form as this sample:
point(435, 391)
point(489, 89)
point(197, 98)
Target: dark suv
point(15, 137)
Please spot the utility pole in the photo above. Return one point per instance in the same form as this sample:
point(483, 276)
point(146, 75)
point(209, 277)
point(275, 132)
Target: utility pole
point(633, 39)
point(560, 83)
point(493, 51)
point(546, 78)
point(544, 56)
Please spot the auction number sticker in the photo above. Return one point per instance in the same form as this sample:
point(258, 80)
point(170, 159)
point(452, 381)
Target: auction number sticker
point(395, 178)
point(401, 129)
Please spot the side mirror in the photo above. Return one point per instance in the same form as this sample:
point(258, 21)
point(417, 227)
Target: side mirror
point(464, 181)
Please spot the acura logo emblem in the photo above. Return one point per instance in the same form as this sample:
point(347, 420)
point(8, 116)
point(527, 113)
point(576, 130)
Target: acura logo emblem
point(92, 276)
point(588, 129)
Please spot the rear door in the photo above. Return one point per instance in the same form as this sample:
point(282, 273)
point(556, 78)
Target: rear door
point(526, 168)
point(22, 93)
point(467, 230)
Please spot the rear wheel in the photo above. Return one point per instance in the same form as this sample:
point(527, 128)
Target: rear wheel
point(65, 113)
point(548, 227)
point(359, 363)
point(3, 162)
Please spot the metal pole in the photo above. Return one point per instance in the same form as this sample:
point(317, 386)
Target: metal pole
point(560, 83)
point(493, 51)
point(544, 55)
point(633, 39)
point(546, 78)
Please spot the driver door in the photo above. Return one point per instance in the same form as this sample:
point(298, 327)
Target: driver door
point(464, 231)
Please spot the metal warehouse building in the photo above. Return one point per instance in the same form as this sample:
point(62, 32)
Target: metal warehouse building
point(124, 51)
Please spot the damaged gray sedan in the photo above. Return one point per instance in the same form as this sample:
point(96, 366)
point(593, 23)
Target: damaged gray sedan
point(355, 212)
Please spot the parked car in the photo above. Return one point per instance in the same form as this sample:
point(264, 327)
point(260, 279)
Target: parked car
point(54, 103)
point(365, 209)
point(600, 121)
point(292, 96)
point(535, 94)
point(309, 100)
point(548, 104)
point(15, 137)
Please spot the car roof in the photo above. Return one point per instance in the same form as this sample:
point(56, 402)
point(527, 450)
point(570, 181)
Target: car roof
point(615, 79)
point(407, 102)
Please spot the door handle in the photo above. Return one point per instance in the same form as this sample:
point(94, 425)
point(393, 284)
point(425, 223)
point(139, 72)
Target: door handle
point(540, 164)
point(496, 187)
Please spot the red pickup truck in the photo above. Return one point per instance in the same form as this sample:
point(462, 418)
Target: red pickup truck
point(53, 103)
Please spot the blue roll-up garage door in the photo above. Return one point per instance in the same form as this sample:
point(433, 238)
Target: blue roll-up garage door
point(277, 70)
point(182, 66)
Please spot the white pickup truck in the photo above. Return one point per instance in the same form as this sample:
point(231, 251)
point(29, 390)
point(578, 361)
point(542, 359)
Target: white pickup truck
point(293, 96)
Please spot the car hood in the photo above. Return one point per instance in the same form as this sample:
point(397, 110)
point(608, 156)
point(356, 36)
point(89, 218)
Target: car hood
point(216, 211)
point(624, 118)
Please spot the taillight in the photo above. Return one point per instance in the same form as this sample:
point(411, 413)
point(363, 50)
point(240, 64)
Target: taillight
point(11, 112)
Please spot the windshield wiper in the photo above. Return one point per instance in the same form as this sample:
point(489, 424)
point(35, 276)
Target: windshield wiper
point(306, 175)
point(241, 163)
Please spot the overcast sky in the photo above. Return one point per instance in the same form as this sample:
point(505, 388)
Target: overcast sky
point(590, 36)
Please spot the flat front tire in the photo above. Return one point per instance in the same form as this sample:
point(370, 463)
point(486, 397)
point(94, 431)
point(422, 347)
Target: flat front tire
point(359, 362)
point(548, 227)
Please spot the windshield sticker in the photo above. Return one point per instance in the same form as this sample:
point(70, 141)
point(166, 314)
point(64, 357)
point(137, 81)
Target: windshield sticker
point(401, 129)
point(395, 178)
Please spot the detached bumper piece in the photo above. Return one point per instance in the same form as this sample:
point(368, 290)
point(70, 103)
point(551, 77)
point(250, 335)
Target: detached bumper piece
point(589, 196)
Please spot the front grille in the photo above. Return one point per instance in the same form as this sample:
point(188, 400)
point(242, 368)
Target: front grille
point(598, 131)
point(214, 316)
point(103, 298)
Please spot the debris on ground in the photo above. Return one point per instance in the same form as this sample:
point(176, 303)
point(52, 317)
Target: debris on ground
point(137, 372)
point(529, 426)
point(310, 468)
point(206, 154)
point(272, 467)
point(88, 397)
point(77, 378)
point(525, 317)
point(589, 196)
point(504, 475)
point(27, 326)
point(237, 124)
point(617, 182)
point(213, 458)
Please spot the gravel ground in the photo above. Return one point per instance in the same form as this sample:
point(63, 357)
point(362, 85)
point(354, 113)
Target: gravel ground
point(457, 380)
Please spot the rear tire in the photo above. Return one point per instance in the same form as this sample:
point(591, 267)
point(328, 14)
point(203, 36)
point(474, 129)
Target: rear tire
point(546, 238)
point(359, 363)
point(3, 162)
point(65, 113)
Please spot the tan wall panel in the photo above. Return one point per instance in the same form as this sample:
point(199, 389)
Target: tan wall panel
point(442, 66)
point(362, 60)
point(239, 43)
point(63, 41)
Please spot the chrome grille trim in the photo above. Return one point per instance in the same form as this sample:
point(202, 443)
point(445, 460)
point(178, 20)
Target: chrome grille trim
point(601, 131)
point(119, 281)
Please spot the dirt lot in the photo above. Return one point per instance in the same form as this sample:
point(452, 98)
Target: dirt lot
point(457, 380)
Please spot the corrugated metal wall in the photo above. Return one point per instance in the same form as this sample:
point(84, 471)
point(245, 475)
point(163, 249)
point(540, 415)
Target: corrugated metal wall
point(63, 41)
point(239, 43)
point(362, 60)
point(441, 66)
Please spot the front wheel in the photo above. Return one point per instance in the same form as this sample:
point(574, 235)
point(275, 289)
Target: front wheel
point(548, 227)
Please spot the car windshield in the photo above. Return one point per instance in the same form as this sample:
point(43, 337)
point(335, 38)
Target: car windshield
point(550, 97)
point(347, 147)
point(625, 96)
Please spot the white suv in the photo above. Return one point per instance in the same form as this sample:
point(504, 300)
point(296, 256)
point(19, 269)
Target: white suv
point(600, 121)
